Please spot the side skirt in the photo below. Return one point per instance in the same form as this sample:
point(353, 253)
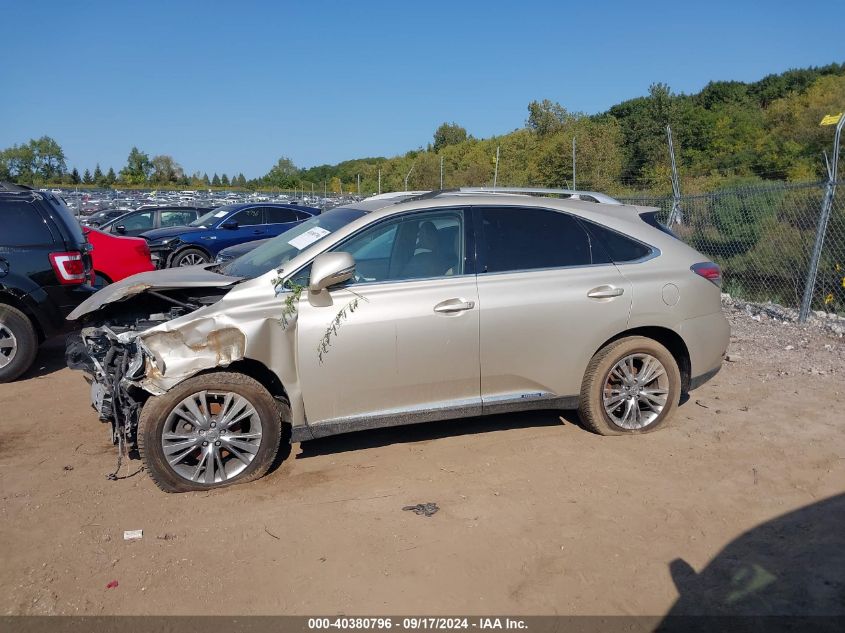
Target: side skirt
point(527, 402)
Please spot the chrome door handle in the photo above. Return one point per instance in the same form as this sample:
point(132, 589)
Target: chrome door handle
point(605, 292)
point(454, 305)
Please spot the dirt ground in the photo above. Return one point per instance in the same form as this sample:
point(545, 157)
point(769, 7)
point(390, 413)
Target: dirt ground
point(537, 516)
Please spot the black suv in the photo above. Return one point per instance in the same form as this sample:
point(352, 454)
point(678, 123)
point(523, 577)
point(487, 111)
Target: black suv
point(45, 269)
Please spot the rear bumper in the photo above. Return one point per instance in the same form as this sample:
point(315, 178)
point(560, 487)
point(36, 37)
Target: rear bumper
point(696, 381)
point(707, 339)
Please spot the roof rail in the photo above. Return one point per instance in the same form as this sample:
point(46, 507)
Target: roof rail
point(13, 188)
point(588, 196)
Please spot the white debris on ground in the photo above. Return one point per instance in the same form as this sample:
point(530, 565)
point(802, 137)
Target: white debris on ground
point(769, 334)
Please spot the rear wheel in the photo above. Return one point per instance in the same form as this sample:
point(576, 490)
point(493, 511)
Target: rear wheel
point(18, 343)
point(212, 430)
point(631, 386)
point(189, 257)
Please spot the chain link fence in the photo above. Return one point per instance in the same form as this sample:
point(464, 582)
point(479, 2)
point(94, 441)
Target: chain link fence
point(763, 239)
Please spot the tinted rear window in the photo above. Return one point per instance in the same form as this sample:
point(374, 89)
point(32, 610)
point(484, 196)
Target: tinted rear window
point(620, 248)
point(525, 238)
point(66, 217)
point(23, 225)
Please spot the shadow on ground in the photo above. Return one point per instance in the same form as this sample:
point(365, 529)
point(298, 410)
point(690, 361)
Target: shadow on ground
point(50, 358)
point(793, 565)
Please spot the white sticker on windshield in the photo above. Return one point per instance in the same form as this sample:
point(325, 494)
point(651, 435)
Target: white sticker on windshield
point(220, 214)
point(309, 237)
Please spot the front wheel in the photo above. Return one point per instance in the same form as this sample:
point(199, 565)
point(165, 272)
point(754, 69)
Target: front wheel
point(631, 386)
point(212, 430)
point(189, 257)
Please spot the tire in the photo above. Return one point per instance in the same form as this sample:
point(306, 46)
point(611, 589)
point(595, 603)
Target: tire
point(101, 281)
point(636, 403)
point(18, 343)
point(189, 257)
point(190, 471)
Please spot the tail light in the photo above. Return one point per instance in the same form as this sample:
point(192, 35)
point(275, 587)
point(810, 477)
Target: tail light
point(69, 267)
point(710, 271)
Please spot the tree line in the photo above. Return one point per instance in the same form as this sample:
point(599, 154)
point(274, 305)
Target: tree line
point(730, 132)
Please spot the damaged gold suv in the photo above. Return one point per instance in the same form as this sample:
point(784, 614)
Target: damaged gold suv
point(401, 309)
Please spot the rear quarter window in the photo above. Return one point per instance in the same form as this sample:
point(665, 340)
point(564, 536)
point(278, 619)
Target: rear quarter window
point(620, 248)
point(23, 225)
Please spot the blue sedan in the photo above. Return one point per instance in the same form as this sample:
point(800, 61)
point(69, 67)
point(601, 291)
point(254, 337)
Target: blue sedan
point(229, 225)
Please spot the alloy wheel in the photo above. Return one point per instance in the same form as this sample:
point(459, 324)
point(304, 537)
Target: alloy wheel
point(635, 391)
point(211, 436)
point(8, 346)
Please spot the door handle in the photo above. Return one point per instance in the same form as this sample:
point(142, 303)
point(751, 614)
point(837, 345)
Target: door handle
point(605, 292)
point(454, 305)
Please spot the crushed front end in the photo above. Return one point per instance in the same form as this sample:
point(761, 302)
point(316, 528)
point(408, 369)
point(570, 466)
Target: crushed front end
point(122, 369)
point(113, 359)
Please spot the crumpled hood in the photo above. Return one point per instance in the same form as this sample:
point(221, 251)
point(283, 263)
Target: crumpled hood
point(156, 235)
point(167, 278)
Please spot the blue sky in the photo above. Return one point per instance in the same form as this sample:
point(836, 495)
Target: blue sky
point(232, 86)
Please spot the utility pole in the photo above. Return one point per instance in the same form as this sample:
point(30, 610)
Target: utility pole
point(379, 181)
point(408, 175)
point(675, 214)
point(359, 184)
point(573, 162)
point(496, 171)
point(821, 227)
point(441, 173)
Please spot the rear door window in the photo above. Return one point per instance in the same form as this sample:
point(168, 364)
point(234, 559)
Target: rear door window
point(138, 222)
point(23, 225)
point(274, 215)
point(249, 217)
point(526, 238)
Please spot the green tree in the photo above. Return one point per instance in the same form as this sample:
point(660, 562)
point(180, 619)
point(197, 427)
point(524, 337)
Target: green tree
point(546, 117)
point(99, 178)
point(138, 168)
point(448, 134)
point(87, 178)
point(224, 180)
point(215, 180)
point(74, 177)
point(111, 177)
point(165, 170)
point(283, 175)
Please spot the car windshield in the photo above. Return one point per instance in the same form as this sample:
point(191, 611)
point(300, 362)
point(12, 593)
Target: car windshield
point(285, 247)
point(211, 217)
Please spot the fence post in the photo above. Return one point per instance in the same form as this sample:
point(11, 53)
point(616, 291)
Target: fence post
point(821, 227)
point(675, 215)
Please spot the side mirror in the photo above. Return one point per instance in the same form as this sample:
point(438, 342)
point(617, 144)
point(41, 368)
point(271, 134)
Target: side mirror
point(230, 224)
point(120, 229)
point(330, 269)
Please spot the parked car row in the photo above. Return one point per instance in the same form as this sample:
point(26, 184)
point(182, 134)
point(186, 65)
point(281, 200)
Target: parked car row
point(49, 262)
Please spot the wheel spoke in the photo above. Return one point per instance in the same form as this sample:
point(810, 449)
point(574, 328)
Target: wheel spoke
point(218, 461)
point(199, 416)
point(243, 445)
point(238, 454)
point(233, 415)
point(209, 465)
point(612, 402)
point(6, 343)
